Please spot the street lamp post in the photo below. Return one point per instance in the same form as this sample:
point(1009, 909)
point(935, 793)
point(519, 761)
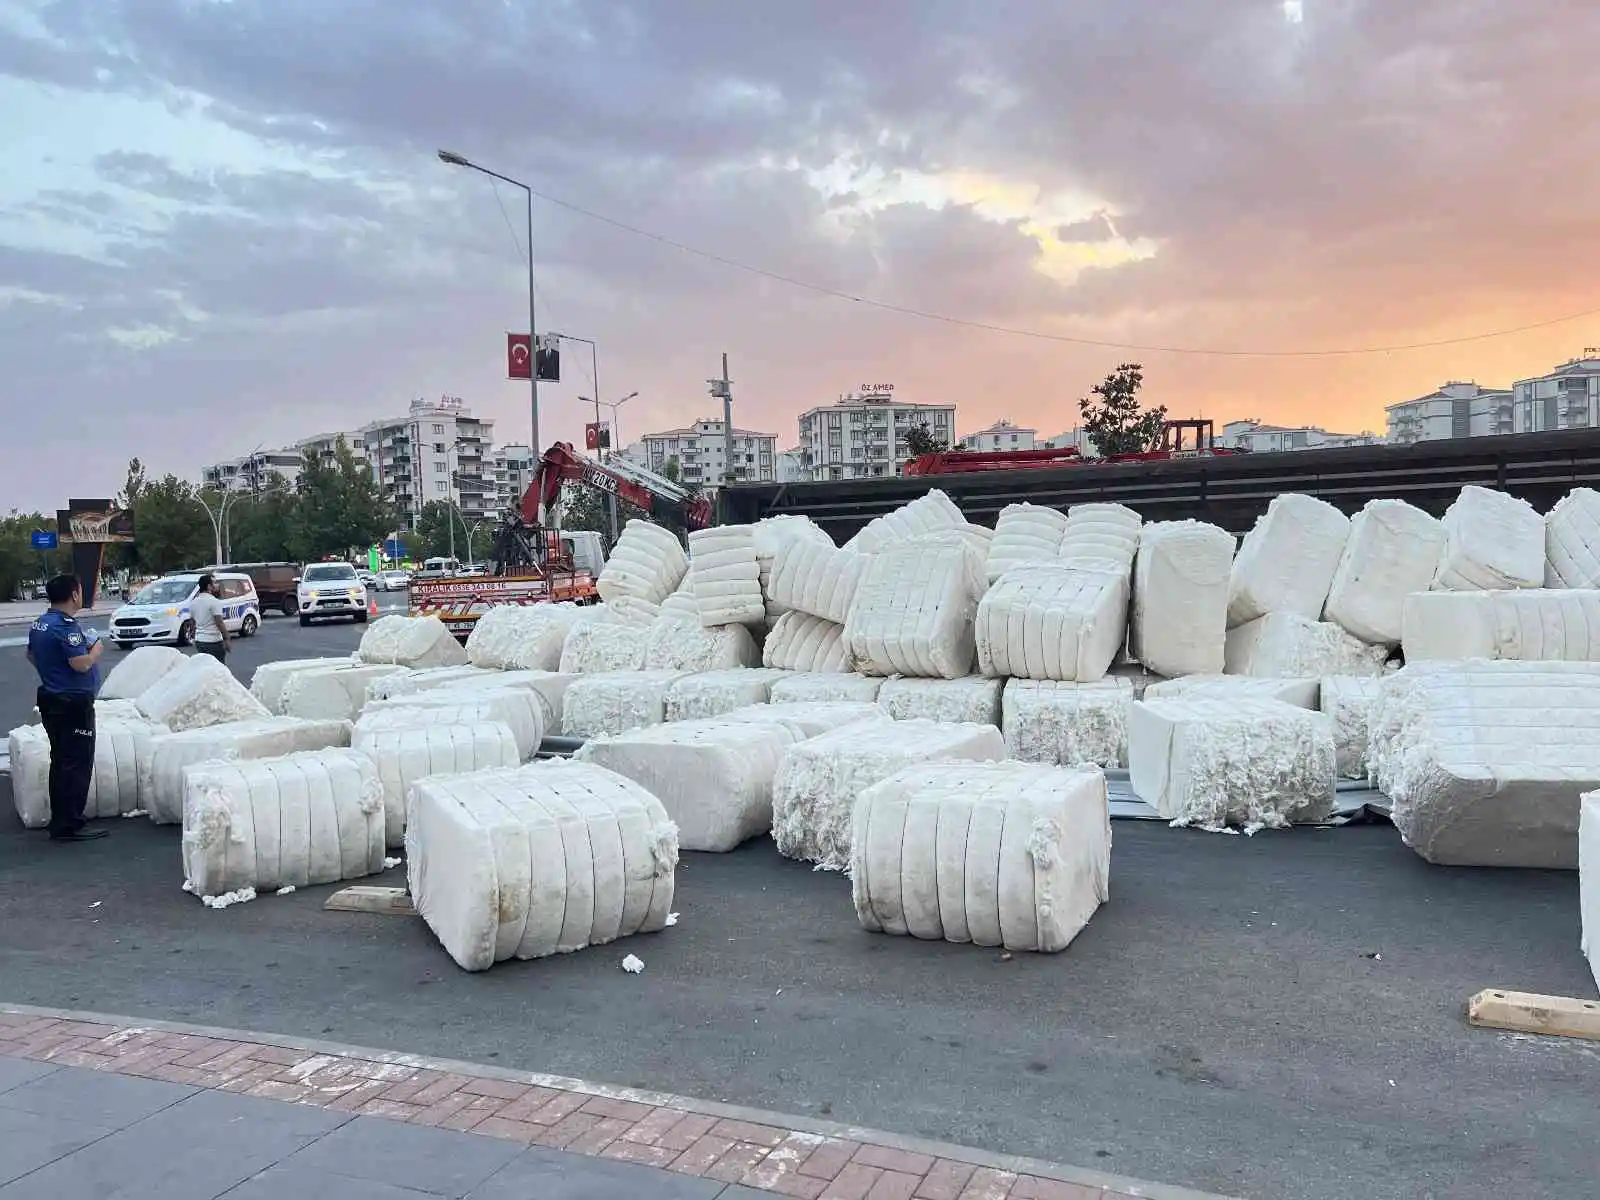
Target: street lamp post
point(455, 160)
point(219, 518)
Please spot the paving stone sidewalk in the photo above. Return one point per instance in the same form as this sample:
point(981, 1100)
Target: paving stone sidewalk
point(91, 1107)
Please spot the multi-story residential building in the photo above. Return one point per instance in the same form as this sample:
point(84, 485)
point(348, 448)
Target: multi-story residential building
point(1002, 435)
point(512, 468)
point(1254, 435)
point(1566, 398)
point(254, 471)
point(699, 451)
point(1456, 409)
point(437, 451)
point(1072, 437)
point(863, 435)
point(792, 466)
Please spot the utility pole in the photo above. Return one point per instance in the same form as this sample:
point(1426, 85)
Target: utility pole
point(723, 389)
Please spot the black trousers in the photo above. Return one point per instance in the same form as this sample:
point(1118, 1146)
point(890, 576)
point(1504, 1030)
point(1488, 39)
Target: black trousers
point(217, 650)
point(68, 719)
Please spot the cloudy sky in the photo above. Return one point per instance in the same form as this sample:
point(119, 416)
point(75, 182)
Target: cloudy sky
point(223, 224)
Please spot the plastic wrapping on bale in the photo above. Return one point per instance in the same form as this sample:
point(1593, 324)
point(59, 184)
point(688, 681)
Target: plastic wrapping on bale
point(712, 693)
point(678, 644)
point(809, 577)
point(296, 821)
point(1214, 763)
point(405, 753)
point(331, 693)
point(1531, 625)
point(1024, 533)
point(1284, 645)
point(914, 612)
point(1571, 541)
point(517, 708)
point(1179, 611)
point(974, 699)
point(1347, 701)
point(725, 576)
point(1104, 535)
point(545, 859)
point(995, 854)
point(807, 686)
point(713, 777)
point(1287, 561)
point(929, 512)
point(1493, 541)
point(1393, 550)
point(142, 669)
point(270, 679)
point(616, 702)
point(818, 783)
point(647, 563)
point(1043, 621)
point(800, 642)
point(1065, 724)
point(161, 773)
point(121, 750)
point(200, 693)
point(595, 646)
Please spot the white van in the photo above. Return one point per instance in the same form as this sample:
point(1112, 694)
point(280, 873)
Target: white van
point(159, 612)
point(331, 589)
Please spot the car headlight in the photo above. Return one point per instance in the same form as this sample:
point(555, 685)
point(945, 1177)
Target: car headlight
point(169, 612)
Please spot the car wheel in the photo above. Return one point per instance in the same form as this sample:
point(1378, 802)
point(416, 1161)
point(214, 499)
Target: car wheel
point(124, 645)
point(186, 633)
point(361, 618)
point(304, 621)
point(290, 606)
point(248, 626)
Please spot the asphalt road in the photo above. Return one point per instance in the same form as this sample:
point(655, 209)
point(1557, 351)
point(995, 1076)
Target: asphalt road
point(1270, 1016)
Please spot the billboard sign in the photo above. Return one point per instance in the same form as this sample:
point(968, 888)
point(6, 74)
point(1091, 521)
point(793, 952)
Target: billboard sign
point(43, 539)
point(521, 357)
point(94, 521)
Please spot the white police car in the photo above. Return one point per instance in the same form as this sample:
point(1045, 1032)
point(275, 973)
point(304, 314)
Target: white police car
point(159, 612)
point(331, 589)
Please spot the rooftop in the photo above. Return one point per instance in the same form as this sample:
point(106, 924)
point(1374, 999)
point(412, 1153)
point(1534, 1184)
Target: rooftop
point(1003, 426)
point(693, 431)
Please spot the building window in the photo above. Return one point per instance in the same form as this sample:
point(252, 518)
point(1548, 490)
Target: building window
point(438, 468)
point(438, 428)
point(441, 486)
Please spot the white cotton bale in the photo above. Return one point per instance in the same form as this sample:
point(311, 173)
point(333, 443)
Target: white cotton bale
point(1043, 621)
point(994, 853)
point(161, 776)
point(544, 633)
point(122, 749)
point(597, 646)
point(926, 514)
point(427, 642)
point(1589, 881)
point(1287, 561)
point(1347, 701)
point(798, 641)
point(406, 683)
point(812, 717)
point(519, 709)
point(1493, 541)
point(725, 576)
point(914, 612)
point(713, 777)
point(632, 611)
point(1100, 534)
point(1065, 724)
point(681, 602)
point(1215, 763)
point(381, 641)
point(1571, 541)
point(331, 693)
point(108, 710)
point(1286, 645)
point(974, 699)
point(405, 753)
point(296, 821)
point(971, 537)
point(201, 692)
point(1530, 625)
point(616, 702)
point(270, 679)
point(712, 693)
point(142, 669)
point(810, 577)
point(1393, 550)
point(549, 688)
point(521, 636)
point(1301, 692)
point(808, 686)
point(1179, 609)
point(819, 780)
point(647, 563)
point(1024, 533)
point(545, 859)
point(677, 644)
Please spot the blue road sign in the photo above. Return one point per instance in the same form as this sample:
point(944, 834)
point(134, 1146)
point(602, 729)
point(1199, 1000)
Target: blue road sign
point(43, 540)
point(392, 548)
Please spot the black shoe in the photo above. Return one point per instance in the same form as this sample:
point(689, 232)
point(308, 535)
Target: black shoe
point(81, 835)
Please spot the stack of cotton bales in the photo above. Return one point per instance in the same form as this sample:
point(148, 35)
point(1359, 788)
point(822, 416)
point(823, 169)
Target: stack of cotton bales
point(809, 577)
point(544, 859)
point(1179, 617)
point(161, 776)
point(647, 563)
point(1572, 541)
point(122, 749)
point(1024, 533)
point(928, 513)
point(725, 576)
point(1100, 535)
point(993, 853)
point(913, 613)
point(512, 637)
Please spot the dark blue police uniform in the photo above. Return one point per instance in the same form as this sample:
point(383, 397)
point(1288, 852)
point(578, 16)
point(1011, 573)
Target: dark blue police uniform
point(66, 709)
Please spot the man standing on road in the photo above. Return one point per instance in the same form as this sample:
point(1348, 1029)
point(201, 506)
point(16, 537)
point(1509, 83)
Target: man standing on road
point(210, 630)
point(67, 657)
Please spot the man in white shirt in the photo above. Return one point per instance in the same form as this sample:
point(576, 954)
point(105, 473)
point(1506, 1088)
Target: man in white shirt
point(210, 630)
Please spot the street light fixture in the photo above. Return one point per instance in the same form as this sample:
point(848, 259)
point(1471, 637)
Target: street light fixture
point(450, 158)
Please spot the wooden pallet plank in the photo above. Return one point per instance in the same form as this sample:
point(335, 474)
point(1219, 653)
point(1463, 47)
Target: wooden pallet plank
point(1526, 1012)
point(389, 901)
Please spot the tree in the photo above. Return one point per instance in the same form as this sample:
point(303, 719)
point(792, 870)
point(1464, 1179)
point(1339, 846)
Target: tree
point(124, 556)
point(673, 469)
point(433, 533)
point(171, 527)
point(920, 441)
point(259, 525)
point(20, 563)
point(584, 507)
point(1114, 421)
point(338, 508)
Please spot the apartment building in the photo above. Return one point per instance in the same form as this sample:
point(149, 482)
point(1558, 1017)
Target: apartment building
point(1460, 408)
point(1002, 435)
point(1261, 438)
point(1566, 398)
point(254, 471)
point(1075, 437)
point(862, 435)
point(512, 468)
point(792, 466)
point(699, 452)
point(437, 451)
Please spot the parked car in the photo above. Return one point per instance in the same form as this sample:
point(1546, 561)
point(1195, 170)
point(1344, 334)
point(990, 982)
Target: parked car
point(274, 583)
point(368, 578)
point(331, 589)
point(394, 581)
point(159, 612)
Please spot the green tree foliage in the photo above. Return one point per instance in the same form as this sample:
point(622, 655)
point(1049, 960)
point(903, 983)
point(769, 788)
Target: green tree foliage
point(171, 527)
point(920, 441)
point(432, 536)
point(339, 508)
point(583, 507)
point(1113, 419)
point(259, 525)
point(20, 563)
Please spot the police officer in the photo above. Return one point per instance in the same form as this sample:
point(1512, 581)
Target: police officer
point(67, 657)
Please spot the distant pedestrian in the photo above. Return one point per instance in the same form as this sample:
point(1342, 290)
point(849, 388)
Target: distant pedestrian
point(67, 657)
point(210, 629)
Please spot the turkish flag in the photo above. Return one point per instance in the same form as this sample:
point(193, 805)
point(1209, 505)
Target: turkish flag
point(519, 356)
point(591, 436)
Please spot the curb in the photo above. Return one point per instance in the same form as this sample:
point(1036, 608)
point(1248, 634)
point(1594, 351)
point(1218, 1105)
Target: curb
point(1018, 1165)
